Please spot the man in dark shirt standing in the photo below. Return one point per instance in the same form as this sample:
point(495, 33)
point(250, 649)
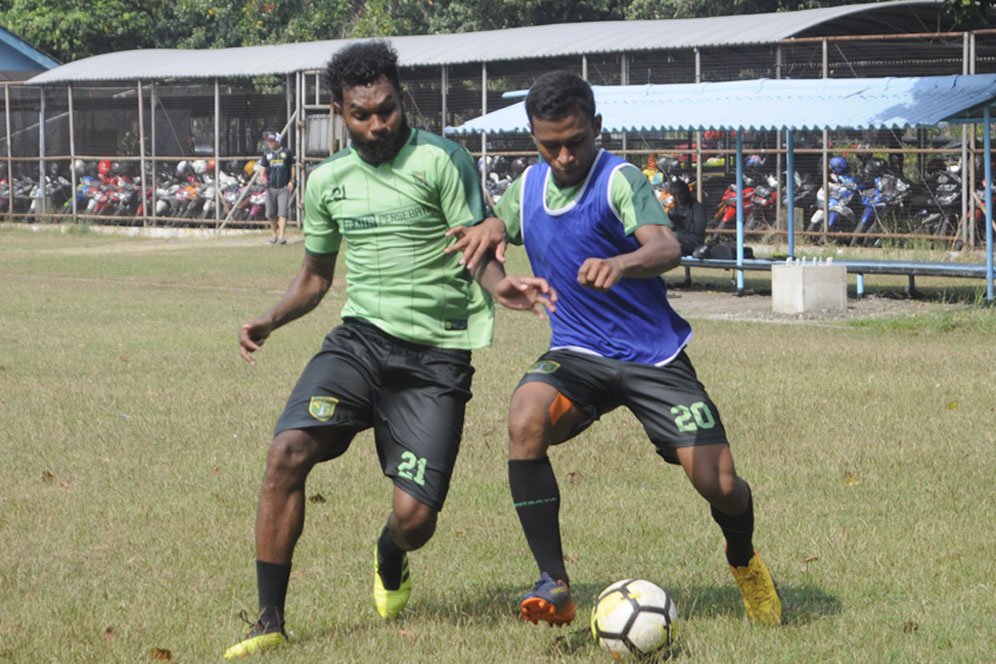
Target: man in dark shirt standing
point(278, 165)
point(688, 217)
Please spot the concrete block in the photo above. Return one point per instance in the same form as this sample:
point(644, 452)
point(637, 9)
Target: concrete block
point(800, 288)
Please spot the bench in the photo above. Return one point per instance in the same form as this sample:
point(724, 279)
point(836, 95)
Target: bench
point(857, 267)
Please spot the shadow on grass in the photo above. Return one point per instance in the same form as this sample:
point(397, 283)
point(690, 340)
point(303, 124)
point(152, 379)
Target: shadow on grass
point(801, 605)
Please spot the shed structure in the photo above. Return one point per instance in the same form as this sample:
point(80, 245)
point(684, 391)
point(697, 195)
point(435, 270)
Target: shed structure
point(790, 105)
point(151, 109)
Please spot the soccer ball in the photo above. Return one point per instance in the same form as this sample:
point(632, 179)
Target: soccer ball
point(634, 617)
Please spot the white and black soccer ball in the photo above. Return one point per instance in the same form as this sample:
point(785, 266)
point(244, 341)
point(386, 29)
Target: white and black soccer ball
point(634, 617)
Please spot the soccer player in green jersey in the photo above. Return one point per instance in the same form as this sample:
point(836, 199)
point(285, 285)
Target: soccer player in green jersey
point(400, 361)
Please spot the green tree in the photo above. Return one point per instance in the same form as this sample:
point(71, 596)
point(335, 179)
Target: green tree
point(473, 15)
point(69, 29)
point(666, 9)
point(969, 11)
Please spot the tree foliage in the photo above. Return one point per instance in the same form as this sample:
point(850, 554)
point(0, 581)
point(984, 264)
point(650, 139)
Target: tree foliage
point(69, 29)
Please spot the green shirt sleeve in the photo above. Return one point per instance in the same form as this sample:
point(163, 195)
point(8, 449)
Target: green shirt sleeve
point(322, 235)
point(460, 195)
point(508, 210)
point(634, 201)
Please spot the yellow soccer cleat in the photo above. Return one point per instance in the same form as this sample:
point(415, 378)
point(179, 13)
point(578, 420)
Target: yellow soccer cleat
point(759, 592)
point(263, 637)
point(389, 603)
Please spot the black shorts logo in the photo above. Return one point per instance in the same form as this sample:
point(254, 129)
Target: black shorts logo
point(543, 367)
point(322, 408)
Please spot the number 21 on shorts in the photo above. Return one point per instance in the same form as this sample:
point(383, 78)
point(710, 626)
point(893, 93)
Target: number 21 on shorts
point(412, 468)
point(694, 417)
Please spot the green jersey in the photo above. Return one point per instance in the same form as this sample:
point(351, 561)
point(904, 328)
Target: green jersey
point(630, 194)
point(394, 217)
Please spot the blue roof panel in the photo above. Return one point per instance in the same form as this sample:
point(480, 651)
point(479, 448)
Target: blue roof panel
point(767, 104)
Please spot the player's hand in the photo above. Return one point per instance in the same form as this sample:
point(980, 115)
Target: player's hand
point(600, 273)
point(526, 294)
point(252, 335)
point(474, 242)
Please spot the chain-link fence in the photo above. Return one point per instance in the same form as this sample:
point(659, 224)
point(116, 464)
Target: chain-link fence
point(184, 152)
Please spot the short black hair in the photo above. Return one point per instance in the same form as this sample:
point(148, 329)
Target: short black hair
point(362, 63)
point(557, 94)
point(678, 186)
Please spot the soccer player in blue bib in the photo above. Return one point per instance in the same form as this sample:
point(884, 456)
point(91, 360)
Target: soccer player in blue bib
point(592, 227)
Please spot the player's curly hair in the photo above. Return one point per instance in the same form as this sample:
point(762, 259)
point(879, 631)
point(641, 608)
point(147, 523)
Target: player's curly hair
point(557, 94)
point(360, 64)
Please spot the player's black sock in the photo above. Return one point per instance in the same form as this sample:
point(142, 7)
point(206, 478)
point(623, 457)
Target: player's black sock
point(389, 559)
point(271, 583)
point(537, 502)
point(739, 531)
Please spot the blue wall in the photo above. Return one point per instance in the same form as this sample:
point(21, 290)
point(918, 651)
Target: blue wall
point(18, 55)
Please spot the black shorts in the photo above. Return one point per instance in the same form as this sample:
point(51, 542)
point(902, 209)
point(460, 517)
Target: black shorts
point(413, 396)
point(669, 401)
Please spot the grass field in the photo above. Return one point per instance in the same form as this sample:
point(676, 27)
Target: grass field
point(133, 441)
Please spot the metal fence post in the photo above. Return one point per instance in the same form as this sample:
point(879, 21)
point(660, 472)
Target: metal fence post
point(141, 154)
point(217, 153)
point(790, 186)
point(443, 84)
point(40, 197)
point(965, 69)
point(988, 164)
point(699, 193)
point(740, 209)
point(484, 134)
point(10, 153)
point(72, 152)
point(153, 192)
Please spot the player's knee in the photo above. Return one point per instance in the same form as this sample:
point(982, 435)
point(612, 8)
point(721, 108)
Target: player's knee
point(526, 434)
point(724, 490)
point(414, 525)
point(290, 457)
point(728, 485)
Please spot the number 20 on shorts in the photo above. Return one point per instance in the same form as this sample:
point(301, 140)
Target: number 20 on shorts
point(694, 417)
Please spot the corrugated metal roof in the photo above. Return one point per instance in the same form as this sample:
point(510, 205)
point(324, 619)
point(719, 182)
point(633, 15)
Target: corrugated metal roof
point(566, 39)
point(766, 104)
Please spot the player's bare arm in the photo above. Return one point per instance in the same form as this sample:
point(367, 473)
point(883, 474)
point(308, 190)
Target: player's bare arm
point(659, 252)
point(304, 293)
point(521, 293)
point(474, 242)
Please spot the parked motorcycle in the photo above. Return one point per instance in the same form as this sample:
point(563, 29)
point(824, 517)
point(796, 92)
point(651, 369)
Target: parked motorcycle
point(845, 190)
point(725, 216)
point(887, 193)
point(936, 203)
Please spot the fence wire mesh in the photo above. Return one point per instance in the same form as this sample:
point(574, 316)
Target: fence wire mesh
point(62, 148)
